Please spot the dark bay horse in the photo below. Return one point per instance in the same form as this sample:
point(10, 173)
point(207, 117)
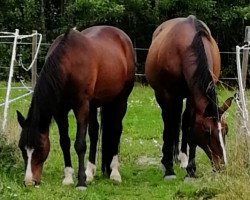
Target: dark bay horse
point(184, 62)
point(83, 71)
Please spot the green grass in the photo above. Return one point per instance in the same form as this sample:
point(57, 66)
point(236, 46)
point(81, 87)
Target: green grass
point(142, 138)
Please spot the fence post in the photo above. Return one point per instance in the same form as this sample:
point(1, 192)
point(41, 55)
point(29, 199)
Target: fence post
point(13, 58)
point(245, 56)
point(34, 67)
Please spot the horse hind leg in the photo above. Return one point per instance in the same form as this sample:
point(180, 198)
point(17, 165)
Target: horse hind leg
point(62, 123)
point(112, 116)
point(93, 136)
point(171, 115)
point(82, 116)
point(183, 156)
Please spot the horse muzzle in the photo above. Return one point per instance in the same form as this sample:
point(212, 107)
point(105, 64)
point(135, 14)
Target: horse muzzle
point(218, 163)
point(29, 183)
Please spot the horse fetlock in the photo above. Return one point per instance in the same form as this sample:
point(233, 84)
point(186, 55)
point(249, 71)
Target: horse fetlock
point(114, 166)
point(68, 176)
point(182, 157)
point(115, 162)
point(90, 171)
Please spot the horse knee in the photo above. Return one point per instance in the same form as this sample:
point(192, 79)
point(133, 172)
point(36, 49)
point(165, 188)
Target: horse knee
point(80, 147)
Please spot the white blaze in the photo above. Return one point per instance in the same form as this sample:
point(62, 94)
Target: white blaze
point(28, 174)
point(222, 144)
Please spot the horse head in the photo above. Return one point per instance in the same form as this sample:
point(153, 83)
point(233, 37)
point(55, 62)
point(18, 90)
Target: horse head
point(210, 135)
point(34, 145)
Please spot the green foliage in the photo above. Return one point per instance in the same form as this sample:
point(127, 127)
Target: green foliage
point(84, 13)
point(138, 18)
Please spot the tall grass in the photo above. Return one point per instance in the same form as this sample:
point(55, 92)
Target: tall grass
point(140, 154)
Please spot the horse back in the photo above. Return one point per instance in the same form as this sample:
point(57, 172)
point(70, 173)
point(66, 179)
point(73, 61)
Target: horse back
point(99, 63)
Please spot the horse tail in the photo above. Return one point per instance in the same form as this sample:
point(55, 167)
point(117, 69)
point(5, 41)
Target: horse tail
point(202, 76)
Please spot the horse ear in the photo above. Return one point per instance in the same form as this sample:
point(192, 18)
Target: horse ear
point(225, 105)
point(20, 118)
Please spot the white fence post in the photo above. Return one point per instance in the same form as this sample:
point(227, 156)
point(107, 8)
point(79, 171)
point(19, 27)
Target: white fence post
point(13, 58)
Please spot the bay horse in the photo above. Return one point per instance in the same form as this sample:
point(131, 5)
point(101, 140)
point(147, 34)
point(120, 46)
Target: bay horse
point(82, 71)
point(183, 62)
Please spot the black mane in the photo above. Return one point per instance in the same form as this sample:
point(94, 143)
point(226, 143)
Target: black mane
point(47, 95)
point(202, 76)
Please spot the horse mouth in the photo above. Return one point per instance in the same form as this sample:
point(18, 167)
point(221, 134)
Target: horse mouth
point(217, 163)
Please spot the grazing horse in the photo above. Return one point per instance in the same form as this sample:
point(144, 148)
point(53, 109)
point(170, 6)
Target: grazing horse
point(82, 71)
point(183, 62)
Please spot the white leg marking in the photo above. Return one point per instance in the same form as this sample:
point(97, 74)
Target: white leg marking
point(68, 176)
point(115, 175)
point(184, 160)
point(28, 174)
point(90, 171)
point(222, 144)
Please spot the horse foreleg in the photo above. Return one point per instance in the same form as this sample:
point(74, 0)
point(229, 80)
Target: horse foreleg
point(82, 114)
point(62, 122)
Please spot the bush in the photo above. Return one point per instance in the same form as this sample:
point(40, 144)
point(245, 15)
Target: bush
point(9, 155)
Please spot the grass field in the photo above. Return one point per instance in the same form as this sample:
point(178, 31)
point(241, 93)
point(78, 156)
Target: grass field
point(140, 154)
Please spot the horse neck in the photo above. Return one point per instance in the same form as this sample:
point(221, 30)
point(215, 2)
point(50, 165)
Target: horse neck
point(39, 115)
point(204, 106)
point(200, 103)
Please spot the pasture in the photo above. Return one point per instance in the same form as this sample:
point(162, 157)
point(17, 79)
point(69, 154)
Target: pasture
point(140, 154)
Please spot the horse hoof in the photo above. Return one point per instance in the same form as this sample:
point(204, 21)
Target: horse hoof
point(189, 179)
point(81, 188)
point(115, 176)
point(89, 178)
point(169, 177)
point(68, 181)
point(182, 157)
